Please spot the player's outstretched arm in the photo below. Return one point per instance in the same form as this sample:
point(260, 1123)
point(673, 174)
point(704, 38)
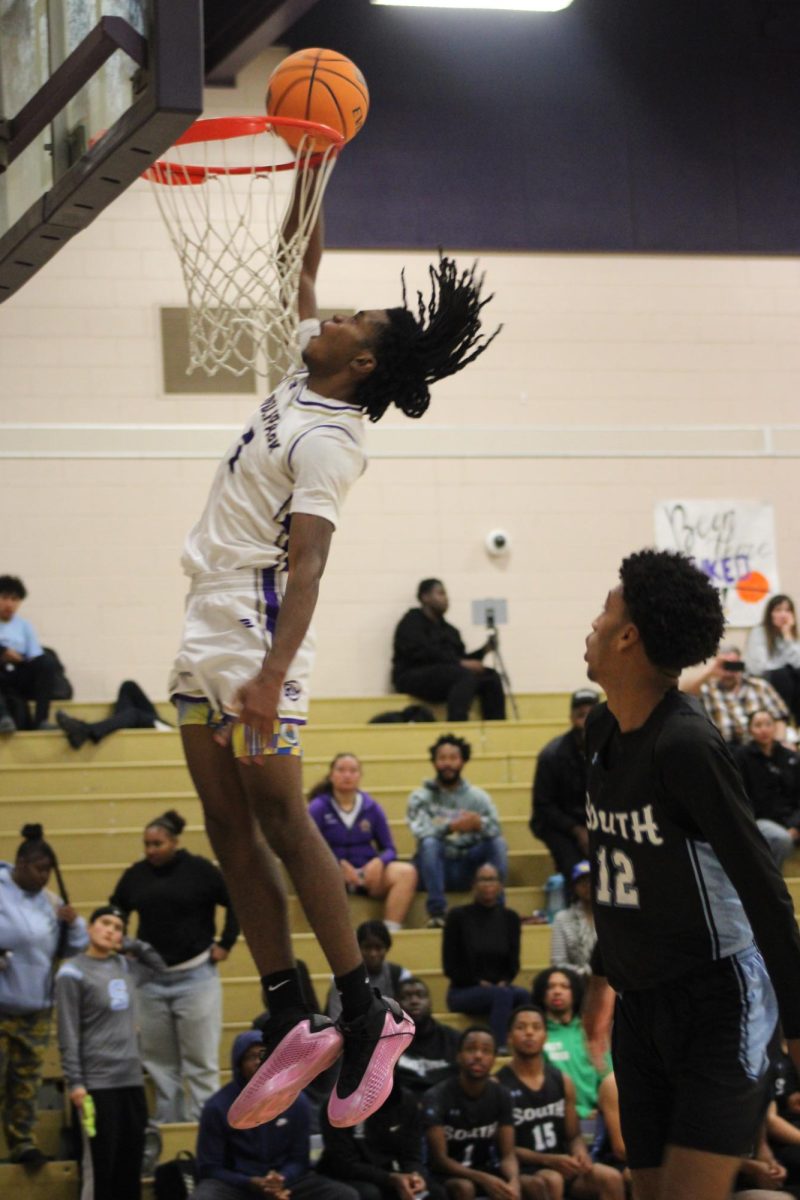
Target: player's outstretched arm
point(306, 296)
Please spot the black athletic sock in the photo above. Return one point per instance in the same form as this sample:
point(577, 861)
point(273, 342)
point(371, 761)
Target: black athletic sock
point(283, 991)
point(354, 992)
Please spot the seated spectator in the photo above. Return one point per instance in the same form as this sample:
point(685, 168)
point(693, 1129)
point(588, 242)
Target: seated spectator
point(100, 1054)
point(547, 1132)
point(132, 710)
point(374, 942)
point(385, 1159)
point(36, 928)
point(456, 828)
point(573, 934)
point(773, 651)
point(783, 1116)
point(272, 1159)
point(430, 660)
point(559, 993)
point(470, 1127)
point(431, 1057)
point(357, 831)
point(26, 672)
point(771, 775)
point(558, 815)
point(730, 696)
point(176, 895)
point(480, 955)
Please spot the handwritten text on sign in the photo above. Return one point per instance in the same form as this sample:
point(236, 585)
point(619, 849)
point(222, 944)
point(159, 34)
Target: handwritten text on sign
point(733, 541)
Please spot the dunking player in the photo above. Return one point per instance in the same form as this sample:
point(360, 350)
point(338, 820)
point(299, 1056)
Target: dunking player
point(687, 897)
point(240, 681)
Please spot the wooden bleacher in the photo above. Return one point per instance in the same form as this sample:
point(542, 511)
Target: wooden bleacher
point(95, 802)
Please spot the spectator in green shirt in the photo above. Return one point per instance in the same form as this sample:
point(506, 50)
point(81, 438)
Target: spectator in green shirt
point(559, 992)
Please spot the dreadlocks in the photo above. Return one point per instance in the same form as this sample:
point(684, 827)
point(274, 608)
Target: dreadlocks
point(415, 351)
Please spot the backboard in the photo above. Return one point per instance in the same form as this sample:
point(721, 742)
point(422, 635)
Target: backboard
point(91, 93)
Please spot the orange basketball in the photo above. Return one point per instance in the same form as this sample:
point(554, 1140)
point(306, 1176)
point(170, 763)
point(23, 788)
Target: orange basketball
point(318, 85)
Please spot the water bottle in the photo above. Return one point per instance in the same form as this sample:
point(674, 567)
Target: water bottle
point(555, 899)
point(88, 1116)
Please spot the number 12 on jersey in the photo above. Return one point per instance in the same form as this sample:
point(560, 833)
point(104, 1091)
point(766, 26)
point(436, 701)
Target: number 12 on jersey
point(616, 882)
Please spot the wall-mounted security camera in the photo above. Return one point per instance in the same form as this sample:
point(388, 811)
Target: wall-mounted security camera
point(498, 542)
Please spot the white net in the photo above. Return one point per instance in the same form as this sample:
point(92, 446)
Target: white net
point(240, 211)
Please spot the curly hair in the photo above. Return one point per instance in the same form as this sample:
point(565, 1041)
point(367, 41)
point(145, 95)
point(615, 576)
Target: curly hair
point(540, 982)
point(414, 351)
point(675, 607)
point(450, 739)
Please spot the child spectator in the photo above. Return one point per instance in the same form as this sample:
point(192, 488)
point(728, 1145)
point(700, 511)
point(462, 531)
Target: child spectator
point(374, 942)
point(269, 1160)
point(480, 955)
point(26, 672)
point(431, 1057)
point(100, 1055)
point(470, 1127)
point(355, 827)
point(35, 927)
point(547, 1131)
point(558, 991)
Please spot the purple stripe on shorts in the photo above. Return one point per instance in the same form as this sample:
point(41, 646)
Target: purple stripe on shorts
point(271, 598)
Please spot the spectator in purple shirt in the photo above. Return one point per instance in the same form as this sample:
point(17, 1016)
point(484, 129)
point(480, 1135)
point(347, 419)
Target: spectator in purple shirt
point(355, 827)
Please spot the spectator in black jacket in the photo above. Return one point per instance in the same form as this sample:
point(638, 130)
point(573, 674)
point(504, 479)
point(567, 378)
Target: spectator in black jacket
point(559, 790)
point(176, 895)
point(431, 1057)
point(480, 955)
point(387, 1161)
point(771, 775)
point(430, 660)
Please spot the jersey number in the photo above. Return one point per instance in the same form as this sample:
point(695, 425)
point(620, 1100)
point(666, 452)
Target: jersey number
point(544, 1137)
point(469, 1149)
point(618, 877)
point(244, 440)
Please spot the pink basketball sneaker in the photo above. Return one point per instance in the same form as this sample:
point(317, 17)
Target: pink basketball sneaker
point(297, 1048)
point(372, 1045)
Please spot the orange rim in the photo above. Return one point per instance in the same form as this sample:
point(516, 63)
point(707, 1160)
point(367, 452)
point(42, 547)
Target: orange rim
point(216, 129)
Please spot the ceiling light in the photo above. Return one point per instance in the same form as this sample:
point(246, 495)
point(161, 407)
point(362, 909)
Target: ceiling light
point(486, 5)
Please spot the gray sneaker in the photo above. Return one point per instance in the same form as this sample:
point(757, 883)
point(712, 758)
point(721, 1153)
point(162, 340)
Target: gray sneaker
point(7, 725)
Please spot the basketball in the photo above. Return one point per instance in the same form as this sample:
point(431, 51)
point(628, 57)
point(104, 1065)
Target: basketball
point(322, 86)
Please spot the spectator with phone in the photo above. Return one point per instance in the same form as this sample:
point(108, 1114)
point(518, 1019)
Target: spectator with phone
point(730, 696)
point(773, 650)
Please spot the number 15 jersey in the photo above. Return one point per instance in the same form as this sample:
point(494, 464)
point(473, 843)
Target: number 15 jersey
point(681, 874)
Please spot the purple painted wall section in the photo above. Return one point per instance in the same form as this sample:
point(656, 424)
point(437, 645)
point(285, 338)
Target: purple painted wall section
point(616, 125)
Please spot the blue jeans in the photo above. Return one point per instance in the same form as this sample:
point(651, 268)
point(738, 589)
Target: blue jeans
point(439, 874)
point(499, 1002)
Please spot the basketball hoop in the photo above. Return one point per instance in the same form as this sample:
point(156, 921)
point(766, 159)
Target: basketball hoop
point(226, 212)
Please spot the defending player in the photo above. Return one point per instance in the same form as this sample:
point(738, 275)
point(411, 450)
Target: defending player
point(687, 898)
point(552, 1153)
point(240, 681)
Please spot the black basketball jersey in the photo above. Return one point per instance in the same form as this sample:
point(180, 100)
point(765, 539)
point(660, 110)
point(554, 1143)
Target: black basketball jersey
point(681, 874)
point(470, 1125)
point(539, 1116)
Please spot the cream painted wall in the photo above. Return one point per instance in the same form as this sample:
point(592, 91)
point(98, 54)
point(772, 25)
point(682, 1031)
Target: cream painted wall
point(566, 433)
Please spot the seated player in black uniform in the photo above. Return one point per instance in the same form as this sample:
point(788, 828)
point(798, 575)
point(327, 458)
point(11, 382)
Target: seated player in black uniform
point(687, 897)
point(547, 1131)
point(470, 1127)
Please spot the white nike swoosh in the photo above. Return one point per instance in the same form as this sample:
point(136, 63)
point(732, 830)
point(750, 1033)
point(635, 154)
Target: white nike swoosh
point(394, 1128)
point(273, 987)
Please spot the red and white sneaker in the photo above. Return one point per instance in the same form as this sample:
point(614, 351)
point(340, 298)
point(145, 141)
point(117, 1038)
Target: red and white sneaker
point(372, 1045)
point(297, 1048)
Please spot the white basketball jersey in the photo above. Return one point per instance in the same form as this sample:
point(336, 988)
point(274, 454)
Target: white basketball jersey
point(300, 452)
